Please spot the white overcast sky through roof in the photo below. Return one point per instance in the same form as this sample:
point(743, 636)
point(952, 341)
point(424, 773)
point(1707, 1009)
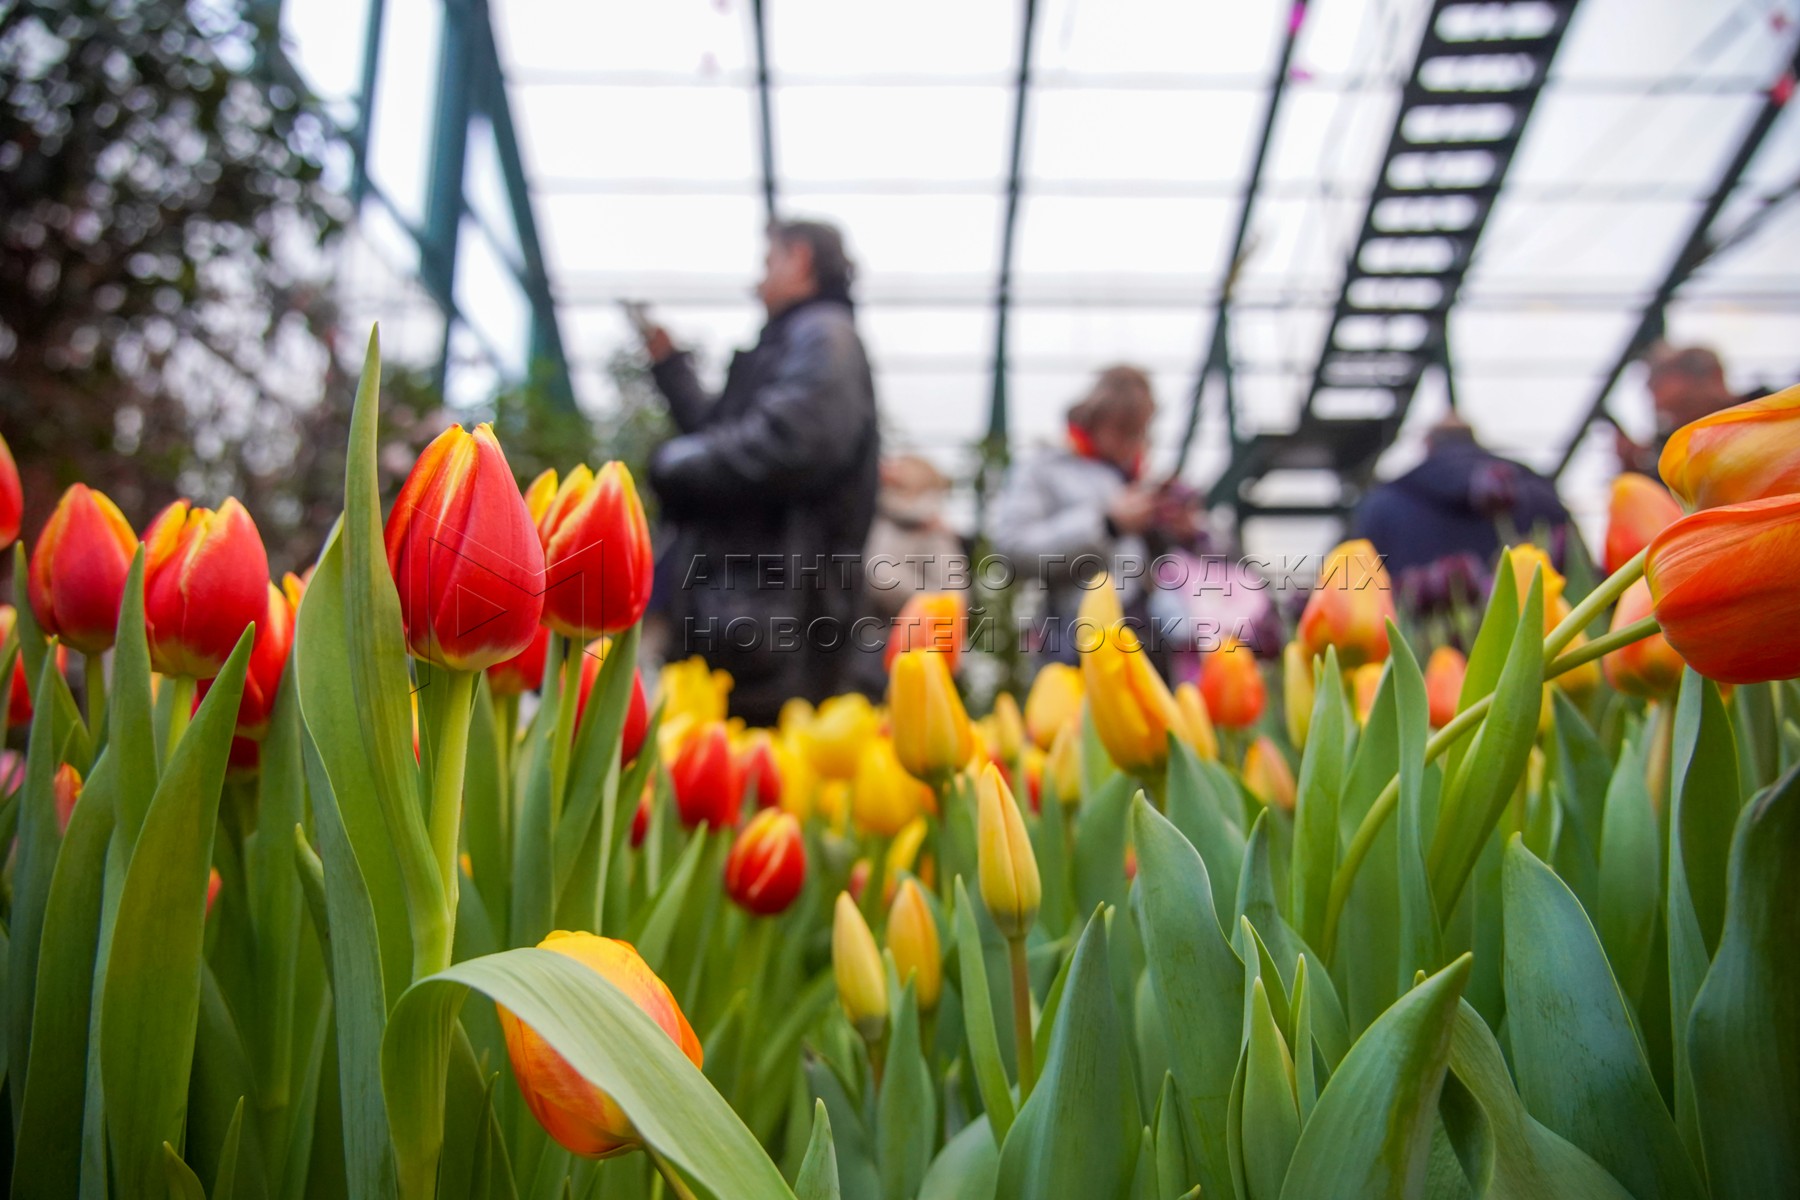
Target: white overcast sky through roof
point(640, 135)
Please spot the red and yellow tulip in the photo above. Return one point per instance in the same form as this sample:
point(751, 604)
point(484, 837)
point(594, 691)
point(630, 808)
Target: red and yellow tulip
point(1349, 607)
point(1640, 509)
point(928, 621)
point(1750, 451)
point(78, 568)
point(767, 865)
point(597, 561)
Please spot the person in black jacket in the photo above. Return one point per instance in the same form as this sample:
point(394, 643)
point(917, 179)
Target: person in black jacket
point(770, 487)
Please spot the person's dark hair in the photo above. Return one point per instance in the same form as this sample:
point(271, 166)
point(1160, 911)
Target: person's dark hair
point(832, 269)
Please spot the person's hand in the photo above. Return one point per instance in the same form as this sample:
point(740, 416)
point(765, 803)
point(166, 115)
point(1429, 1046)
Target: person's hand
point(658, 344)
point(1132, 510)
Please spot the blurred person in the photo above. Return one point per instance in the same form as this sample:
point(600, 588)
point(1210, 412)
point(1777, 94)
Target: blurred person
point(1443, 522)
point(1685, 385)
point(1083, 507)
point(770, 486)
point(911, 549)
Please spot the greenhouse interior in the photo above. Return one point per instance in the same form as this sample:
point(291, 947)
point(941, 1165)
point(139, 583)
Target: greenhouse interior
point(803, 600)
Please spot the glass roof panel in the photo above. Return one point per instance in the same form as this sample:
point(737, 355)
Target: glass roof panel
point(1111, 237)
point(868, 37)
point(582, 37)
point(902, 236)
point(1160, 136)
point(654, 237)
point(324, 38)
point(576, 132)
point(405, 96)
point(900, 138)
point(1127, 37)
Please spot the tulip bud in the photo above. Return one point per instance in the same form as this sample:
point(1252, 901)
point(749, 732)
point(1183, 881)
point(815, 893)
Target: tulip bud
point(12, 497)
point(464, 555)
point(1099, 611)
point(884, 797)
point(206, 578)
point(1063, 767)
point(18, 704)
point(597, 561)
point(1640, 509)
point(703, 779)
point(928, 621)
point(637, 709)
point(1008, 728)
point(1298, 691)
point(1444, 672)
point(1723, 579)
point(65, 786)
point(796, 714)
point(78, 568)
point(931, 730)
point(215, 883)
point(1268, 776)
point(539, 494)
point(1010, 887)
point(1650, 666)
point(268, 661)
point(1232, 685)
point(1132, 708)
point(912, 938)
point(1750, 451)
point(856, 963)
point(1527, 561)
point(767, 864)
point(903, 852)
point(524, 671)
point(1196, 722)
point(582, 1118)
point(692, 689)
point(1054, 700)
point(1349, 607)
point(759, 775)
point(834, 738)
point(1365, 682)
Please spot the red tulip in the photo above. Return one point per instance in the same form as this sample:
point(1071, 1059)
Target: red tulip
point(18, 702)
point(705, 784)
point(464, 555)
point(597, 560)
point(1640, 509)
point(1232, 685)
point(206, 578)
point(268, 661)
point(1723, 580)
point(758, 773)
point(524, 671)
point(767, 864)
point(640, 820)
point(637, 709)
point(12, 497)
point(78, 568)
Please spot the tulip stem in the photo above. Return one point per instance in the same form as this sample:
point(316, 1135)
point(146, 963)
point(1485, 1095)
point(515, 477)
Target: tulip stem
point(94, 671)
point(1021, 989)
point(1366, 833)
point(449, 759)
point(181, 710)
point(1594, 603)
point(567, 700)
point(670, 1175)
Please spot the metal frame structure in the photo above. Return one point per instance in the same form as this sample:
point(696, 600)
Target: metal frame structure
point(995, 442)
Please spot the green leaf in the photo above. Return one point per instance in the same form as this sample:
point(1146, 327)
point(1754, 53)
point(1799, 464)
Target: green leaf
point(1630, 871)
point(533, 910)
point(183, 1184)
point(1504, 1153)
point(1479, 787)
point(1580, 1066)
point(1285, 948)
point(225, 1182)
point(130, 729)
point(978, 1018)
point(275, 902)
point(1078, 1134)
point(151, 999)
point(1100, 845)
point(1199, 806)
point(594, 764)
point(1743, 1039)
point(1703, 781)
point(1271, 1118)
point(1419, 944)
point(905, 1108)
point(56, 1081)
point(1370, 1135)
point(1582, 774)
point(818, 1178)
point(1197, 979)
point(655, 937)
point(487, 813)
point(1320, 788)
point(604, 1036)
point(967, 1169)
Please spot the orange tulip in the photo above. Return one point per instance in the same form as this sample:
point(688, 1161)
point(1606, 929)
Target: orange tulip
point(928, 621)
point(1724, 583)
point(524, 671)
point(1133, 710)
point(1268, 776)
point(206, 578)
point(1444, 672)
point(1641, 508)
point(12, 497)
point(1053, 701)
point(1649, 667)
point(78, 568)
point(1350, 607)
point(464, 555)
point(1232, 685)
point(18, 701)
point(584, 1119)
point(637, 709)
point(65, 787)
point(767, 864)
point(705, 784)
point(597, 562)
point(1747, 452)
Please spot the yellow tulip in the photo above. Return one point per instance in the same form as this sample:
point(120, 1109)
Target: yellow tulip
point(884, 798)
point(1054, 699)
point(1132, 708)
point(912, 938)
point(1267, 775)
point(1010, 886)
point(1063, 766)
point(835, 736)
point(1008, 728)
point(1100, 610)
point(796, 714)
point(903, 851)
point(1365, 681)
point(1197, 726)
point(1297, 692)
point(856, 964)
point(692, 689)
point(932, 734)
point(1528, 559)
